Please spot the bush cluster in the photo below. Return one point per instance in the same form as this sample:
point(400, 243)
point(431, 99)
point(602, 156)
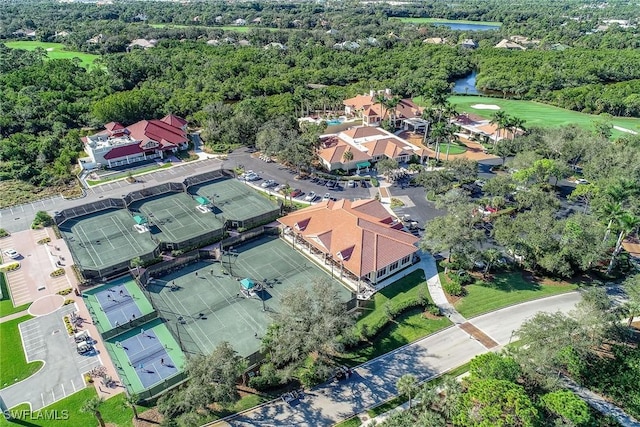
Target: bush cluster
point(69, 301)
point(392, 311)
point(267, 379)
point(57, 273)
point(11, 267)
point(64, 292)
point(67, 323)
point(3, 232)
point(44, 241)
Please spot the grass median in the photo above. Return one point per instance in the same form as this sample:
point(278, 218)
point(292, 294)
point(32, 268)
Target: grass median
point(506, 289)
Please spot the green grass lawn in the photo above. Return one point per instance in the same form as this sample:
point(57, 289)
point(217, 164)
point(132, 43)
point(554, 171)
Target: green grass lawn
point(455, 149)
point(123, 175)
point(112, 410)
point(538, 114)
point(6, 306)
point(407, 288)
point(13, 364)
point(55, 51)
point(447, 21)
point(507, 289)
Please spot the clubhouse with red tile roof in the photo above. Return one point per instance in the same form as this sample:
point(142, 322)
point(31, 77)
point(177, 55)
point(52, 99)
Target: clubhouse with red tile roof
point(359, 237)
point(147, 139)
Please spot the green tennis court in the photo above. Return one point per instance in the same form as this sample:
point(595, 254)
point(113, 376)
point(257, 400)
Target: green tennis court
point(234, 200)
point(106, 238)
point(176, 217)
point(205, 305)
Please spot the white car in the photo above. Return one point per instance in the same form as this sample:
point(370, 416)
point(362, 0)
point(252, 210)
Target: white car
point(581, 181)
point(11, 253)
point(326, 197)
point(309, 197)
point(268, 183)
point(252, 177)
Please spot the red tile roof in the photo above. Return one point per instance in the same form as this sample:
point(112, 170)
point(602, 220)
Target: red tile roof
point(122, 151)
point(111, 126)
point(174, 120)
point(333, 152)
point(361, 233)
point(157, 130)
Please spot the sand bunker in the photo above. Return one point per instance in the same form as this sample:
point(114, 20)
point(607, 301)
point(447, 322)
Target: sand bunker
point(485, 107)
point(49, 49)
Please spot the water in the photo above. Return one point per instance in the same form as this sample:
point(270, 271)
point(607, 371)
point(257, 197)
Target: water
point(467, 27)
point(466, 85)
point(333, 122)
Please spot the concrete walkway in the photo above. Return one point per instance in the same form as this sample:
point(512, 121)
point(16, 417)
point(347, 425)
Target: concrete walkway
point(599, 403)
point(14, 316)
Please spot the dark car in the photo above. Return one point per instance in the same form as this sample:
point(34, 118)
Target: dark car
point(363, 184)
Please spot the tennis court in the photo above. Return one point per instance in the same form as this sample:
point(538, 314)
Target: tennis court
point(205, 303)
point(117, 303)
point(176, 218)
point(234, 200)
point(105, 238)
point(147, 356)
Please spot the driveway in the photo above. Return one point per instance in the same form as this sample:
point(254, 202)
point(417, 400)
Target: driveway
point(45, 338)
point(374, 382)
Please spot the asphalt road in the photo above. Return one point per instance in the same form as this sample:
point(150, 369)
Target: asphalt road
point(374, 382)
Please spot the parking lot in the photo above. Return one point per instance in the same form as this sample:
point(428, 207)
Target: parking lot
point(45, 338)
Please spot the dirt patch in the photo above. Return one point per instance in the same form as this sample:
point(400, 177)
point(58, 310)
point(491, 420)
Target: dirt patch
point(478, 335)
point(150, 418)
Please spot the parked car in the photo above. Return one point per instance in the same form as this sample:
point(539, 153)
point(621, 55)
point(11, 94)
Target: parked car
point(11, 253)
point(331, 184)
point(310, 197)
point(326, 197)
point(296, 192)
point(351, 183)
point(581, 181)
point(252, 177)
point(363, 184)
point(280, 187)
point(268, 183)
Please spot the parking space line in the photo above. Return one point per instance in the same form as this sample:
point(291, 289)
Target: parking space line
point(42, 397)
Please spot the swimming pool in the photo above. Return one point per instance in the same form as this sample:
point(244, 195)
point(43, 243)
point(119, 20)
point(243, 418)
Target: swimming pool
point(334, 122)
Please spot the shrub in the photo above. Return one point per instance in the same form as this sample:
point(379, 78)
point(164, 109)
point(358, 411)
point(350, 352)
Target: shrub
point(11, 267)
point(435, 310)
point(44, 241)
point(374, 182)
point(396, 203)
point(3, 232)
point(42, 219)
point(57, 273)
point(268, 378)
point(453, 287)
point(68, 325)
point(69, 301)
point(64, 292)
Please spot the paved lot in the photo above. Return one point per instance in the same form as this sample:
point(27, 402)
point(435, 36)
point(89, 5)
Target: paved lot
point(374, 382)
point(45, 338)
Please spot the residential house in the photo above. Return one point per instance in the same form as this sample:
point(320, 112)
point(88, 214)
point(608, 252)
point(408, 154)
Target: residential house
point(142, 43)
point(244, 43)
point(240, 22)
point(275, 45)
point(97, 39)
point(25, 32)
point(507, 44)
point(469, 44)
point(360, 239)
point(147, 139)
point(347, 45)
point(435, 40)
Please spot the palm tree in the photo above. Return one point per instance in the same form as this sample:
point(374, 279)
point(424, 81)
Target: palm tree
point(287, 190)
point(516, 124)
point(347, 156)
point(499, 118)
point(93, 406)
point(130, 401)
point(391, 104)
point(632, 289)
point(407, 386)
point(136, 263)
point(628, 223)
point(612, 212)
point(490, 257)
point(438, 132)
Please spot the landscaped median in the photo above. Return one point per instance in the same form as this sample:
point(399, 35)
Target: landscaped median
point(397, 315)
point(504, 289)
point(13, 363)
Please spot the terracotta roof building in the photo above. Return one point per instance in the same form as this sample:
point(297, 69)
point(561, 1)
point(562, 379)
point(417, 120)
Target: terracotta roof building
point(360, 238)
point(146, 139)
point(373, 113)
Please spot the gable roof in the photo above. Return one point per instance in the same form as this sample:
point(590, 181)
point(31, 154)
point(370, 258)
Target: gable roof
point(361, 233)
point(333, 152)
point(122, 151)
point(157, 130)
point(174, 120)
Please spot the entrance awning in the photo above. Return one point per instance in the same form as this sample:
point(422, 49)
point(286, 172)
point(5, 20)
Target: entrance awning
point(363, 165)
point(202, 200)
point(247, 283)
point(140, 220)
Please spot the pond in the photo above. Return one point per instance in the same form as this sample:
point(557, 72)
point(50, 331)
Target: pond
point(466, 85)
point(467, 27)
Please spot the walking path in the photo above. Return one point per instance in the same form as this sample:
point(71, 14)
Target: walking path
point(14, 316)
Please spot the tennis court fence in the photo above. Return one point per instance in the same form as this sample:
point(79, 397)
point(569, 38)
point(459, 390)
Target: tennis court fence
point(167, 267)
point(88, 209)
point(207, 176)
point(156, 190)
